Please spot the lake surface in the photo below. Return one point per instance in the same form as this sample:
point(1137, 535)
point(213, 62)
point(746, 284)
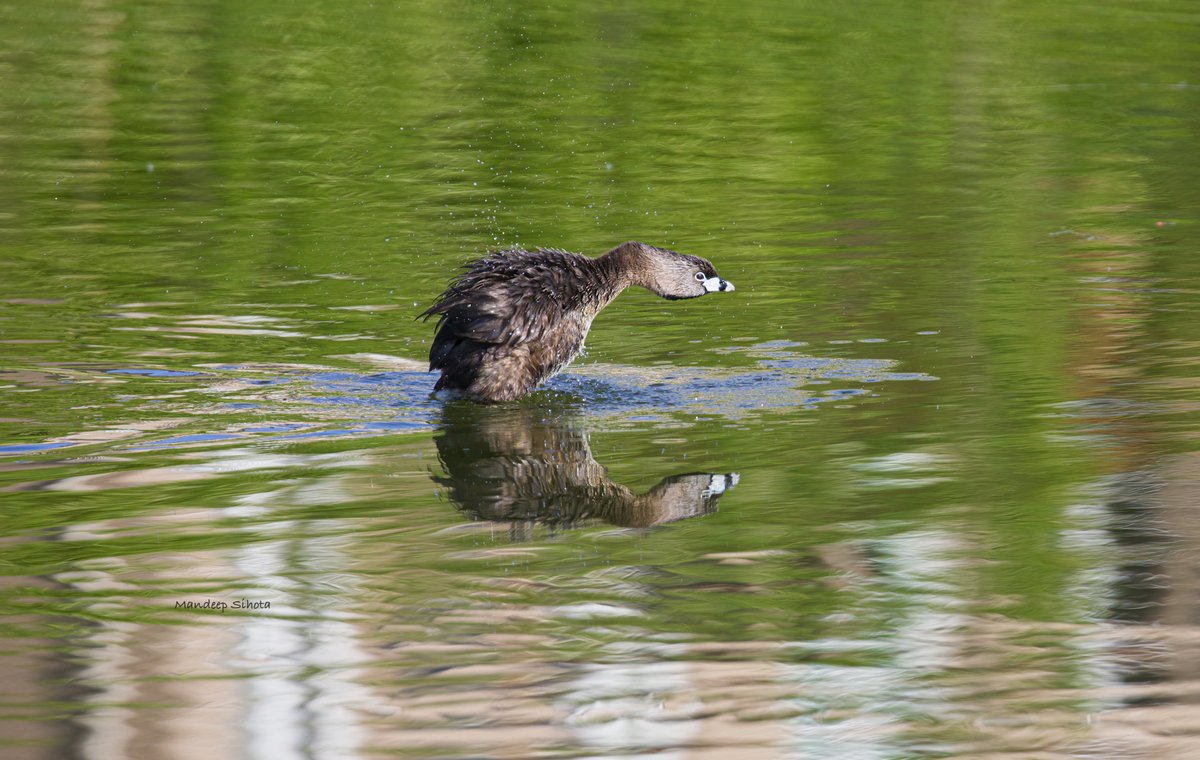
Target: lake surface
point(926, 485)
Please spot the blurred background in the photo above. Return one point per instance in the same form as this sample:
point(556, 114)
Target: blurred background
point(925, 485)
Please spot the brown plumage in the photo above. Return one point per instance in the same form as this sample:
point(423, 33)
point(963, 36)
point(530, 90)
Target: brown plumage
point(515, 318)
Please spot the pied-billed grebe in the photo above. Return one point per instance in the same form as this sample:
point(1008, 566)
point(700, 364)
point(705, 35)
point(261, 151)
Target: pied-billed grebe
point(515, 318)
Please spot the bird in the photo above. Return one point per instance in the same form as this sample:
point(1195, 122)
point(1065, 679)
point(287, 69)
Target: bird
point(515, 318)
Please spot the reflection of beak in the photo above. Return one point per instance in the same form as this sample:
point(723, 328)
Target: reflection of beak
point(713, 284)
point(719, 484)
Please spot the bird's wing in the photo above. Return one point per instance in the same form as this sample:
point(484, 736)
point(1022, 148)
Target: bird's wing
point(507, 298)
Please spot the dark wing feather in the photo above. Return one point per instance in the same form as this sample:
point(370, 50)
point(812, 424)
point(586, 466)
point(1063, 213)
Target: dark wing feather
point(504, 299)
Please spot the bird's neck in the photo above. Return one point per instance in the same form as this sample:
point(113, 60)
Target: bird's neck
point(623, 266)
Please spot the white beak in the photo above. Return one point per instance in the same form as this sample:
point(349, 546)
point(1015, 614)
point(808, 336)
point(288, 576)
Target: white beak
point(713, 284)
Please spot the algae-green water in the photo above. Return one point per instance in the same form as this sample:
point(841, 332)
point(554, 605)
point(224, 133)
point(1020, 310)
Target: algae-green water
point(924, 485)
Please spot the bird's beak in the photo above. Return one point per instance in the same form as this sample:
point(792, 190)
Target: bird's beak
point(713, 284)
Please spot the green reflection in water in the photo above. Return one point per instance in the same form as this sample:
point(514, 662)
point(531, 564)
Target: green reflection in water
point(957, 379)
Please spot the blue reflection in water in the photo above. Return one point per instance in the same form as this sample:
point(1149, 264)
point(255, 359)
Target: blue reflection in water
point(24, 448)
point(402, 401)
point(152, 372)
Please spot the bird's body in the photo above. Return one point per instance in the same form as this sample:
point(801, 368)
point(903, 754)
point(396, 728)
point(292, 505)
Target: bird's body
point(515, 318)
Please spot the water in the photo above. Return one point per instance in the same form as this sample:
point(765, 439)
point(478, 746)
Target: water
point(923, 486)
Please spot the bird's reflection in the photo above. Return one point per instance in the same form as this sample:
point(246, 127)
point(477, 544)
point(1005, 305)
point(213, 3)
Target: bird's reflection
point(528, 466)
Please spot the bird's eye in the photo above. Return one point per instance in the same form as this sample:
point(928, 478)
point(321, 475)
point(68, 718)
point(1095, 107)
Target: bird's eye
point(700, 277)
